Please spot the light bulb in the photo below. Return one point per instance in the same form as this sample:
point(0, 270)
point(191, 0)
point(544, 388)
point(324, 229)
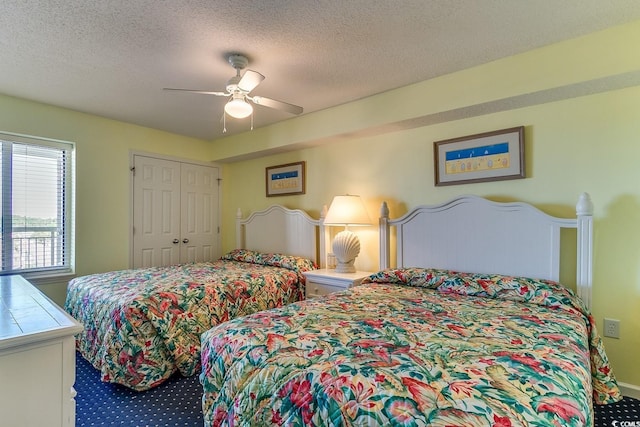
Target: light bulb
point(238, 108)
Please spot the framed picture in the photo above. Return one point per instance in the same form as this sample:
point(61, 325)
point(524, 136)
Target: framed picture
point(490, 156)
point(285, 180)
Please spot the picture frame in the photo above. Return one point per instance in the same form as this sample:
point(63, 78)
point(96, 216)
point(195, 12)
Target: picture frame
point(285, 180)
point(489, 156)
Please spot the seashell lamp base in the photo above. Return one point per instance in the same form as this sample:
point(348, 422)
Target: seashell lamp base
point(346, 247)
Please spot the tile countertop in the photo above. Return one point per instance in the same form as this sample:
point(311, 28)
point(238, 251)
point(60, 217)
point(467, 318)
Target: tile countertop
point(27, 315)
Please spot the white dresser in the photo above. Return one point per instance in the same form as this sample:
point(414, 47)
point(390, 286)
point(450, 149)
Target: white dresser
point(37, 358)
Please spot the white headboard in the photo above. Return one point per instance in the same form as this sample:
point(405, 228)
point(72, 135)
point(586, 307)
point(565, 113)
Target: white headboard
point(281, 230)
point(473, 234)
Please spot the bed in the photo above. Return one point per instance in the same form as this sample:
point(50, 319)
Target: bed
point(142, 325)
point(471, 327)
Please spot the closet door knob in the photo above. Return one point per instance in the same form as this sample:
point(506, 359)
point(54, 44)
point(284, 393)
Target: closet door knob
point(176, 241)
point(185, 240)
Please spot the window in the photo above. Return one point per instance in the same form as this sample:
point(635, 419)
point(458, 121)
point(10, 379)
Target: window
point(36, 206)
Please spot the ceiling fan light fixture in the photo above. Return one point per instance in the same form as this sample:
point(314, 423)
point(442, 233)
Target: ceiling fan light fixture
point(238, 93)
point(238, 107)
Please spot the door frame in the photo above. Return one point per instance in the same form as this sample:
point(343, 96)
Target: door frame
point(132, 154)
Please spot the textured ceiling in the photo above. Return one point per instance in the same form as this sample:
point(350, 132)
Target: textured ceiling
point(113, 57)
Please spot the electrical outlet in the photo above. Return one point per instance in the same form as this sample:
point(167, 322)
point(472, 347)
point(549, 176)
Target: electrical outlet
point(611, 328)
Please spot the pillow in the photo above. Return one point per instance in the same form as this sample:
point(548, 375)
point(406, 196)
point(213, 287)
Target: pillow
point(523, 289)
point(497, 286)
point(295, 263)
point(416, 277)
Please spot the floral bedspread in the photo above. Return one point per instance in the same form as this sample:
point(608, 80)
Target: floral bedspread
point(412, 347)
point(142, 325)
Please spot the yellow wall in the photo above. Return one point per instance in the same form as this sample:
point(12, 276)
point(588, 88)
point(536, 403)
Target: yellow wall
point(102, 175)
point(381, 150)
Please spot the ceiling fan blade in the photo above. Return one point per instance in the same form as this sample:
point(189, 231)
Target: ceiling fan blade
point(278, 105)
point(198, 91)
point(250, 80)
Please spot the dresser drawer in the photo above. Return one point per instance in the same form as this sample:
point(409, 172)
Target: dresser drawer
point(325, 282)
point(315, 289)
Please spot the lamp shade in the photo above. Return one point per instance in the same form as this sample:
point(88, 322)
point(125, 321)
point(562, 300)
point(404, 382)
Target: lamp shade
point(238, 107)
point(347, 210)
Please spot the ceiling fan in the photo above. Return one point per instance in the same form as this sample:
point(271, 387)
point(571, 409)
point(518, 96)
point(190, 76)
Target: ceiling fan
point(238, 89)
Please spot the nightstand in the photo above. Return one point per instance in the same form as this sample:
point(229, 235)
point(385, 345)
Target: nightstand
point(324, 282)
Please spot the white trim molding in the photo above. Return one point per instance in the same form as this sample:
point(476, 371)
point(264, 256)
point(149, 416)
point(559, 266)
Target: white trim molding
point(629, 390)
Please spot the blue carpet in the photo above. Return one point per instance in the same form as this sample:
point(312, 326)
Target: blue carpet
point(176, 402)
point(628, 409)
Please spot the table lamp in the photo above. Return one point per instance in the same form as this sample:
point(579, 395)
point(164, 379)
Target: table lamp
point(347, 210)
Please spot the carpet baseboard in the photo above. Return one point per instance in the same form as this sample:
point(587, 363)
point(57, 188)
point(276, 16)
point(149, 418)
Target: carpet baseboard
point(629, 390)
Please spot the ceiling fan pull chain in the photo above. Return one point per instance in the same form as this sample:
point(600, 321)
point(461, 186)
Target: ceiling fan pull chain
point(251, 120)
point(224, 122)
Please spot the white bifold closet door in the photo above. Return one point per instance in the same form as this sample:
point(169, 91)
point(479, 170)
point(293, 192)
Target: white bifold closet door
point(175, 212)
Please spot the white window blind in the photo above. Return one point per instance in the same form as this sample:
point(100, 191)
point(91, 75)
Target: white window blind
point(36, 205)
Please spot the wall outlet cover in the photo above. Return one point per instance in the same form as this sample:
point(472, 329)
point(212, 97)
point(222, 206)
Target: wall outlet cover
point(611, 328)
